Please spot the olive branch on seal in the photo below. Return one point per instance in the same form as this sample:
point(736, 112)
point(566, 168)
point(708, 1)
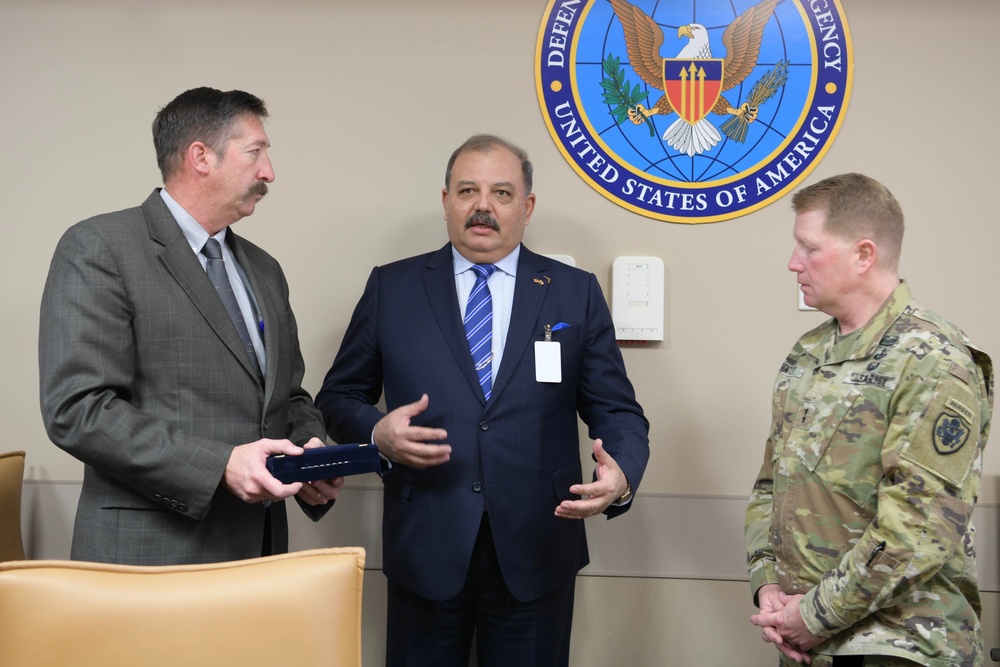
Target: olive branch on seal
point(619, 94)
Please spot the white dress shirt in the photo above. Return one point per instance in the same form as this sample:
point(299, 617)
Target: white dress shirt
point(501, 285)
point(196, 237)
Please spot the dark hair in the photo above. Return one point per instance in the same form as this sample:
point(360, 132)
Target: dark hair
point(484, 143)
point(199, 114)
point(856, 207)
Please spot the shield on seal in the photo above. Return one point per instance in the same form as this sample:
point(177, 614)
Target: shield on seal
point(693, 85)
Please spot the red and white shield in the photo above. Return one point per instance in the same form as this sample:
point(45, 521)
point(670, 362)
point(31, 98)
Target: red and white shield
point(693, 85)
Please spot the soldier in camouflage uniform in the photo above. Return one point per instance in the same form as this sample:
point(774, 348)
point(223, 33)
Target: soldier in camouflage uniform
point(858, 531)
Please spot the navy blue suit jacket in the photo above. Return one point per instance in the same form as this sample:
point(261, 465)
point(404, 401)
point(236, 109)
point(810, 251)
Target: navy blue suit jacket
point(516, 455)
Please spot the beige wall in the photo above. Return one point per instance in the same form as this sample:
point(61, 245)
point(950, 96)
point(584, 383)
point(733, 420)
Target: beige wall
point(368, 98)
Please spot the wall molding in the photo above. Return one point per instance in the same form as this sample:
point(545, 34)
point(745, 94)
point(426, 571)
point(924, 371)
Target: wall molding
point(664, 535)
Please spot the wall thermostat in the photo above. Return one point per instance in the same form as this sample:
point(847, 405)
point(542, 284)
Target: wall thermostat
point(802, 299)
point(637, 297)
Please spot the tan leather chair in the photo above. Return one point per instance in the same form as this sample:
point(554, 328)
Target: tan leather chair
point(11, 482)
point(301, 609)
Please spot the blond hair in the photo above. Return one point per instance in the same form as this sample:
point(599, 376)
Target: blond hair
point(857, 207)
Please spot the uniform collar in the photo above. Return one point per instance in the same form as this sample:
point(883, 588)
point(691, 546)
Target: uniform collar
point(824, 344)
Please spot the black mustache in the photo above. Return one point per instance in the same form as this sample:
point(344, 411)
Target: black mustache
point(482, 218)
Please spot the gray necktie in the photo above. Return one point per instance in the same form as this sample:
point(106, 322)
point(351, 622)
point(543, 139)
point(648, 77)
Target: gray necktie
point(216, 269)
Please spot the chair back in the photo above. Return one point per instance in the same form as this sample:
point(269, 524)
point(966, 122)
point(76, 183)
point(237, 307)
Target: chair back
point(301, 609)
point(11, 483)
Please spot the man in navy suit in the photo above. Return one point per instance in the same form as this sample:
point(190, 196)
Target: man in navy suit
point(484, 490)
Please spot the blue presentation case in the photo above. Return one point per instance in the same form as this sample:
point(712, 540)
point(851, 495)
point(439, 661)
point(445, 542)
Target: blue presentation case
point(325, 463)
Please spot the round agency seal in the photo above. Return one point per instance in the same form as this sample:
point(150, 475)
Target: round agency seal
point(693, 111)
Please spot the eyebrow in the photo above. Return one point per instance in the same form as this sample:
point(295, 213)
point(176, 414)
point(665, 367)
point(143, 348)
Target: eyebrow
point(501, 184)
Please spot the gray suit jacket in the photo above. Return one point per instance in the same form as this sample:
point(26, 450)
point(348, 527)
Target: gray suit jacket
point(145, 380)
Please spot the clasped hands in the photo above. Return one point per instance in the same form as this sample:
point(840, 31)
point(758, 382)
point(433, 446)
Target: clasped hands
point(401, 442)
point(781, 623)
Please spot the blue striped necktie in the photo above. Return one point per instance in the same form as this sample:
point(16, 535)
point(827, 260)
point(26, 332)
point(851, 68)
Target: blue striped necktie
point(479, 327)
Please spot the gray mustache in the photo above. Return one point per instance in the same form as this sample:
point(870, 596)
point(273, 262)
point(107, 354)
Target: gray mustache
point(481, 218)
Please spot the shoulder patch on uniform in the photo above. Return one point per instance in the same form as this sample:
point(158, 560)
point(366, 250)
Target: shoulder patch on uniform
point(946, 437)
point(959, 407)
point(950, 433)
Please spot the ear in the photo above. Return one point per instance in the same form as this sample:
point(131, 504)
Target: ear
point(444, 202)
point(529, 208)
point(200, 157)
point(866, 252)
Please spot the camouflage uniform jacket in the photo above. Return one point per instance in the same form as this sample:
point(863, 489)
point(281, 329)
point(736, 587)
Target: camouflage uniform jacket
point(870, 475)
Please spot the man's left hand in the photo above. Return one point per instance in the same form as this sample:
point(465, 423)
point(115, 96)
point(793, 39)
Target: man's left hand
point(320, 491)
point(598, 495)
point(785, 626)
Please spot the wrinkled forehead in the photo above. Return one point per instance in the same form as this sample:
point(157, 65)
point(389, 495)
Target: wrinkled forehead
point(491, 164)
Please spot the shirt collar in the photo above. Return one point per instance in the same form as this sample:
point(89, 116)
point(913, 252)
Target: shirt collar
point(508, 264)
point(193, 232)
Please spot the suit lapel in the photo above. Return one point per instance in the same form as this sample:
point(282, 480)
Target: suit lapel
point(439, 285)
point(530, 290)
point(187, 271)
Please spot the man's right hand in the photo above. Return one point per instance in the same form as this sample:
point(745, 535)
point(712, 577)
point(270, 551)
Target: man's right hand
point(402, 443)
point(247, 476)
point(772, 601)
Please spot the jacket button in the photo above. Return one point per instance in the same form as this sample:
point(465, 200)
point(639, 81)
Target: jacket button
point(266, 426)
point(484, 426)
point(182, 507)
point(477, 487)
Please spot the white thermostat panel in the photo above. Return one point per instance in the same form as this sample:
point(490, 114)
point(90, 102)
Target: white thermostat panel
point(637, 297)
point(802, 299)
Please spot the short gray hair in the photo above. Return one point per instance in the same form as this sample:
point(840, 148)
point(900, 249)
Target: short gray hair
point(484, 143)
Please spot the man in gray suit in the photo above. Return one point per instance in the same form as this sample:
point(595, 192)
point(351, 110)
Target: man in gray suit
point(149, 372)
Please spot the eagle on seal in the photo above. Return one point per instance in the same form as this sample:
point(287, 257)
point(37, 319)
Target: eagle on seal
point(742, 38)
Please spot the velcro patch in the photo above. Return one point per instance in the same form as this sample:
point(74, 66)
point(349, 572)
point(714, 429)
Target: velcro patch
point(954, 404)
point(950, 433)
point(791, 370)
point(872, 380)
point(945, 441)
